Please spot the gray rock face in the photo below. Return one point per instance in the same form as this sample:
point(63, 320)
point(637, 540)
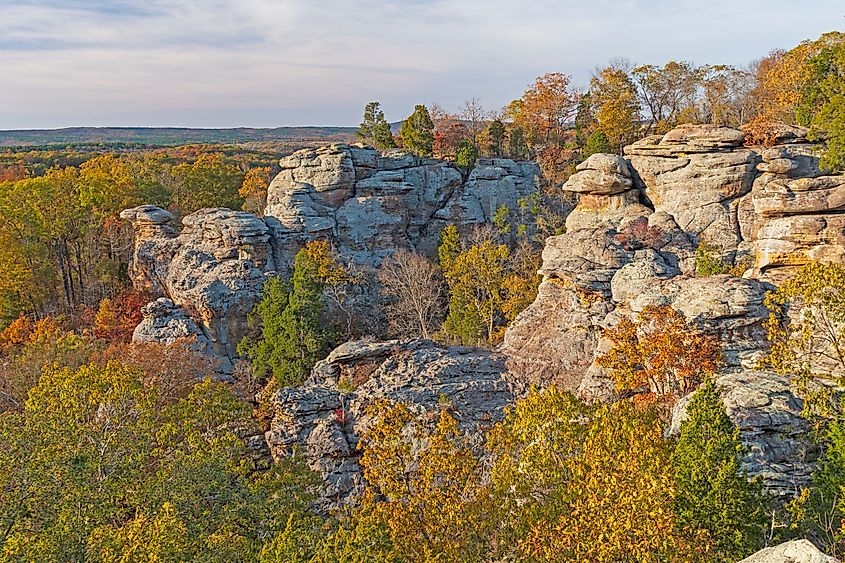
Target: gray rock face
point(795, 551)
point(369, 205)
point(214, 269)
point(768, 415)
point(328, 423)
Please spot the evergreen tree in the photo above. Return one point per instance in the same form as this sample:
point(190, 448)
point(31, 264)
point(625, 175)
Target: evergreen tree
point(467, 155)
point(713, 492)
point(292, 336)
point(517, 147)
point(375, 129)
point(417, 132)
point(822, 514)
point(496, 138)
point(598, 142)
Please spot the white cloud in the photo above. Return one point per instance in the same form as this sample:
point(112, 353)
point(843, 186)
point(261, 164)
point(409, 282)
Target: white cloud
point(275, 62)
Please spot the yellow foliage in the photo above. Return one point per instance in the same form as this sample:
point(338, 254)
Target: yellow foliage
point(430, 500)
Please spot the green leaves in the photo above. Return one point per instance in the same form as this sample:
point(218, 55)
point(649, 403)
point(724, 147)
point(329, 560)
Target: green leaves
point(713, 492)
point(417, 132)
point(289, 318)
point(97, 468)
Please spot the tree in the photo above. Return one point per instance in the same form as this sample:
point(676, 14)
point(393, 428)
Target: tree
point(375, 129)
point(95, 467)
point(579, 483)
point(253, 190)
point(806, 328)
point(210, 181)
point(449, 133)
point(668, 94)
point(430, 499)
point(466, 156)
point(476, 290)
point(496, 138)
point(545, 108)
point(413, 290)
point(597, 143)
point(292, 338)
point(819, 509)
point(823, 100)
point(713, 492)
point(659, 353)
point(474, 115)
point(417, 132)
point(617, 112)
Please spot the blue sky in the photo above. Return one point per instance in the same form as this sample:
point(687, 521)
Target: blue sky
point(265, 63)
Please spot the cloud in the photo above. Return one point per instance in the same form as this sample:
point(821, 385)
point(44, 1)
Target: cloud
point(277, 62)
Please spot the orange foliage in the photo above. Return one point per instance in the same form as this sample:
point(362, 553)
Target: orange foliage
point(659, 353)
point(173, 369)
point(117, 317)
point(23, 331)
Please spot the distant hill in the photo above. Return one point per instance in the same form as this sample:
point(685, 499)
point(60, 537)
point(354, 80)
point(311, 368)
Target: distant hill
point(166, 136)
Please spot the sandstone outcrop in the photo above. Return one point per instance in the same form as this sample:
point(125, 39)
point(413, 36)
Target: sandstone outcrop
point(606, 193)
point(326, 418)
point(697, 173)
point(795, 551)
point(794, 214)
point(369, 204)
point(214, 269)
point(767, 412)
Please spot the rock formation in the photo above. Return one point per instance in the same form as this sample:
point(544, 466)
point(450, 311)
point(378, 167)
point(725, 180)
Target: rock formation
point(795, 551)
point(630, 242)
point(326, 417)
point(366, 204)
point(369, 204)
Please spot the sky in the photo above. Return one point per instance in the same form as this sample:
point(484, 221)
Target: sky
point(269, 63)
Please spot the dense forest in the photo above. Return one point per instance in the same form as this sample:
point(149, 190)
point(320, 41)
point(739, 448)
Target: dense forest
point(119, 451)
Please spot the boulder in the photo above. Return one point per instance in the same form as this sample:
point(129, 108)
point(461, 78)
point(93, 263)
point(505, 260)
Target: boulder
point(327, 415)
point(795, 551)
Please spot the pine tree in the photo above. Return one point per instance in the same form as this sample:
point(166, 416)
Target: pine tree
point(496, 138)
point(375, 129)
point(596, 143)
point(713, 492)
point(467, 155)
point(417, 132)
point(292, 337)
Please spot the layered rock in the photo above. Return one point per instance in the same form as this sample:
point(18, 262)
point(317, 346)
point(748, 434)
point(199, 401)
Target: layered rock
point(214, 270)
point(606, 193)
point(369, 204)
point(326, 417)
point(794, 214)
point(697, 174)
point(767, 412)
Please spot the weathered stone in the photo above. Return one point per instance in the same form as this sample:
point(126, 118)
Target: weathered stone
point(795, 551)
point(369, 205)
point(328, 422)
point(600, 174)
